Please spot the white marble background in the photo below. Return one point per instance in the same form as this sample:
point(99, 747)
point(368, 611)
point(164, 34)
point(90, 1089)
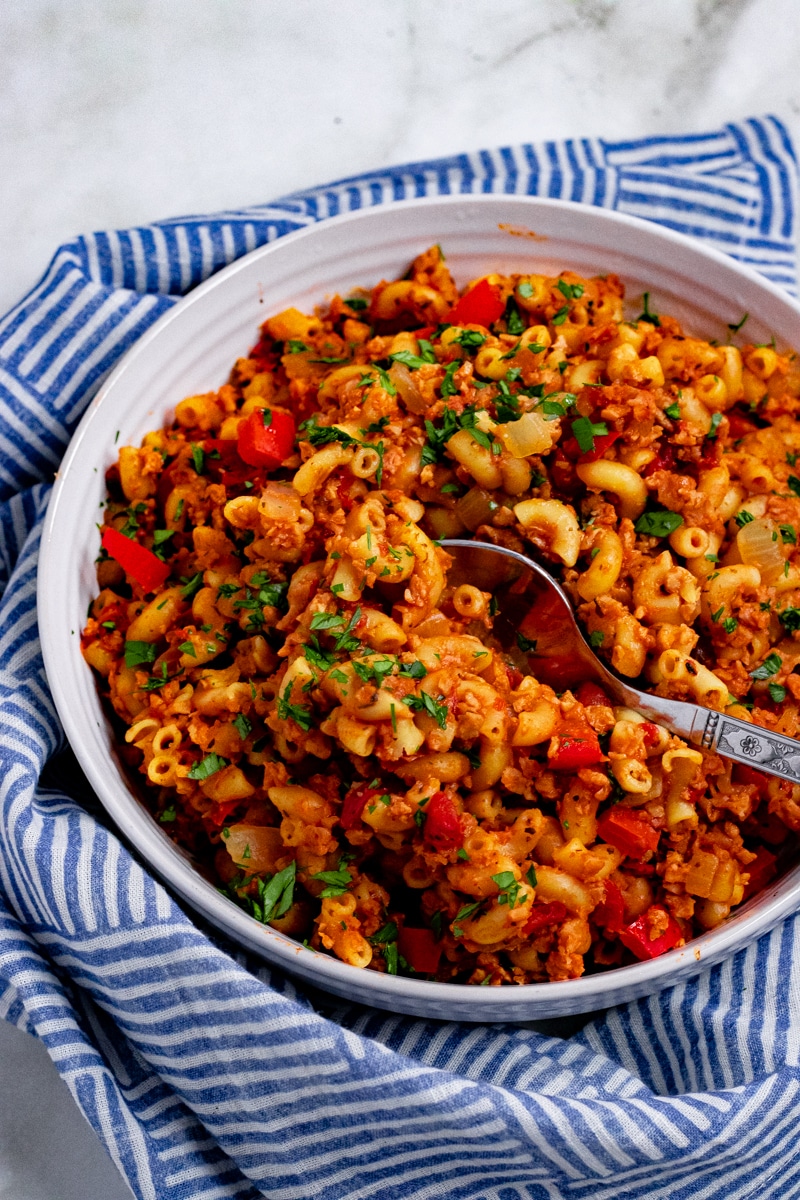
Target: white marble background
point(115, 112)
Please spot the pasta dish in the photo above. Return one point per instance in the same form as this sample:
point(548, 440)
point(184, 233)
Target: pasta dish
point(330, 727)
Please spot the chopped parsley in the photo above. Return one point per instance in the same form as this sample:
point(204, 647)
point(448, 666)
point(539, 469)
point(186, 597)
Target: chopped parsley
point(243, 725)
point(730, 624)
point(790, 619)
point(337, 881)
point(770, 666)
point(139, 654)
point(298, 713)
point(585, 431)
point(570, 291)
point(526, 645)
point(596, 639)
point(514, 321)
point(425, 703)
point(673, 411)
point(198, 459)
point(789, 534)
point(470, 339)
point(714, 427)
point(561, 315)
point(658, 522)
point(794, 484)
point(743, 518)
point(646, 314)
point(207, 767)
point(190, 586)
point(168, 815)
point(463, 913)
point(777, 693)
point(509, 888)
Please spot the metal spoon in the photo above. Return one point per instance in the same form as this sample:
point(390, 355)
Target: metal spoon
point(519, 584)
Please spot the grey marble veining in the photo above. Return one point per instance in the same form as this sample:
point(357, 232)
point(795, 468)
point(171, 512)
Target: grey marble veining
point(114, 112)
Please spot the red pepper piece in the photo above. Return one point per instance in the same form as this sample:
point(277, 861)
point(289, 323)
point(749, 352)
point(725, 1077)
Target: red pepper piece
point(636, 936)
point(610, 914)
point(577, 747)
point(137, 561)
point(219, 812)
point(442, 823)
point(481, 305)
point(589, 694)
point(353, 806)
point(650, 733)
point(425, 332)
point(628, 830)
point(761, 870)
point(420, 949)
point(559, 671)
point(602, 442)
point(544, 914)
point(266, 445)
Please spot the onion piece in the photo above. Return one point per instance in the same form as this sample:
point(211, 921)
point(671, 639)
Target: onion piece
point(476, 507)
point(531, 434)
point(760, 545)
point(407, 389)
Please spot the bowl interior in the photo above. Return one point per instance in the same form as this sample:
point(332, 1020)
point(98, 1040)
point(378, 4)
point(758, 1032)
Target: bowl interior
point(192, 348)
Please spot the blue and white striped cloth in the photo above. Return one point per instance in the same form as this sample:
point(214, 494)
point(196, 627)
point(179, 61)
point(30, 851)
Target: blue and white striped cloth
point(207, 1075)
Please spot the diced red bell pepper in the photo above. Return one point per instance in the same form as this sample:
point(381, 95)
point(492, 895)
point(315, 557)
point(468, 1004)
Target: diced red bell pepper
point(266, 438)
point(637, 938)
point(628, 830)
point(137, 561)
point(353, 806)
point(761, 870)
point(610, 914)
point(420, 949)
point(442, 829)
point(425, 332)
point(219, 812)
point(544, 914)
point(650, 733)
point(577, 747)
point(602, 442)
point(590, 694)
point(482, 305)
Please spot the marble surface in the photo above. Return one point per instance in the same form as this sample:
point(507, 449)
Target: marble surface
point(114, 112)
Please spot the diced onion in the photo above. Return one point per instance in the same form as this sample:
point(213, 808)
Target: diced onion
point(279, 502)
point(531, 434)
point(407, 389)
point(759, 545)
point(476, 507)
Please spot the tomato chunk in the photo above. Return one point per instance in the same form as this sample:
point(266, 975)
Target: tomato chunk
point(610, 914)
point(144, 567)
point(481, 305)
point(628, 830)
point(353, 806)
point(602, 442)
point(266, 438)
point(636, 936)
point(576, 748)
point(544, 914)
point(420, 949)
point(589, 694)
point(442, 823)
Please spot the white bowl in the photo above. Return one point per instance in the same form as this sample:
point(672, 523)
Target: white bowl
point(191, 349)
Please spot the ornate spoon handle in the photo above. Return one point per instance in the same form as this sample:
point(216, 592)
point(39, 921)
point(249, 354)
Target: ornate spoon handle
point(739, 740)
point(750, 744)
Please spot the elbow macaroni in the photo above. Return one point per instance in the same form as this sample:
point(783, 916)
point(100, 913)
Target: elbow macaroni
point(333, 728)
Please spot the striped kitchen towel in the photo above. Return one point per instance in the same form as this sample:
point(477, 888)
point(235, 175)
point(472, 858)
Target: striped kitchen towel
point(209, 1075)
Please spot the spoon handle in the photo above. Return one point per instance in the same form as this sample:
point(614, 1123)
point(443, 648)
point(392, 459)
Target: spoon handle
point(738, 740)
point(752, 745)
